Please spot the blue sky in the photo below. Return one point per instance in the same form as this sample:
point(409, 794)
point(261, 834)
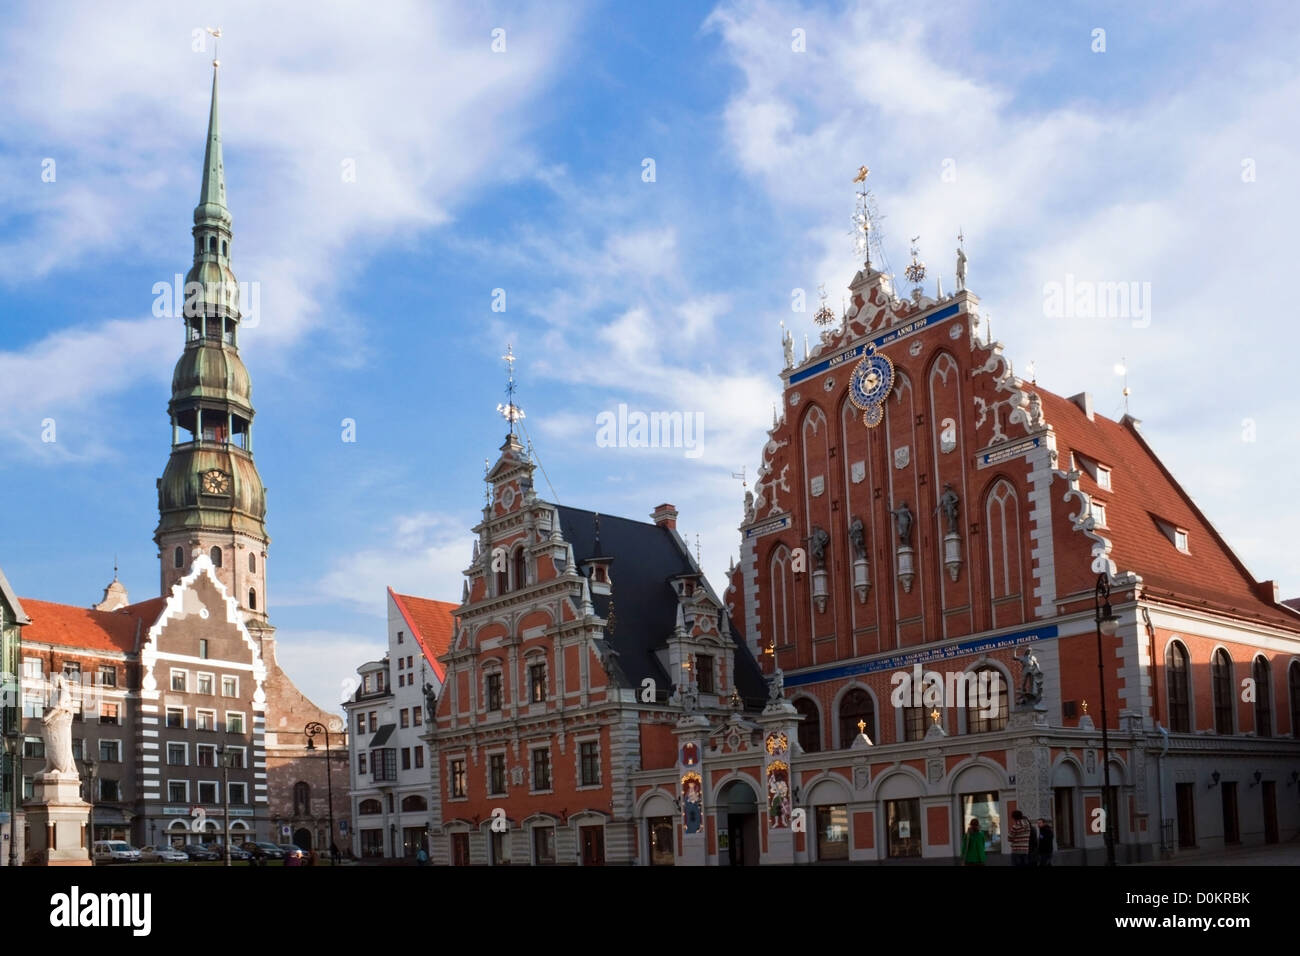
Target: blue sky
point(522, 170)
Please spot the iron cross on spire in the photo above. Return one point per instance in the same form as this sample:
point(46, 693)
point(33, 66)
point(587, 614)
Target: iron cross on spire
point(509, 410)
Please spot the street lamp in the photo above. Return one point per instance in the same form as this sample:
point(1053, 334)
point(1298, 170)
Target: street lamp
point(90, 798)
point(225, 802)
point(1107, 624)
point(311, 730)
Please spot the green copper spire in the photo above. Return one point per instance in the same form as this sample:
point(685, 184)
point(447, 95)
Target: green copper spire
point(212, 197)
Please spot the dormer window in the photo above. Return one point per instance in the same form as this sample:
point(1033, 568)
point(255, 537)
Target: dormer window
point(1177, 536)
point(1180, 539)
point(1103, 477)
point(1099, 514)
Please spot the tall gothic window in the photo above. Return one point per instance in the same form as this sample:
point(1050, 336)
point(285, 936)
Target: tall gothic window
point(857, 706)
point(1180, 719)
point(215, 554)
point(1224, 698)
point(1263, 697)
point(178, 557)
point(252, 599)
point(810, 728)
point(301, 798)
point(520, 568)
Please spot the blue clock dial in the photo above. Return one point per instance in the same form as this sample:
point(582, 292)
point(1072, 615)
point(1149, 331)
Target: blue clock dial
point(872, 381)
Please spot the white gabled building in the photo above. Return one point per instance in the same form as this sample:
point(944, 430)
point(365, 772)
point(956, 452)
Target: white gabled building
point(389, 776)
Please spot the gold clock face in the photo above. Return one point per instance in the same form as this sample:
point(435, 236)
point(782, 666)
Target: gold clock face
point(216, 483)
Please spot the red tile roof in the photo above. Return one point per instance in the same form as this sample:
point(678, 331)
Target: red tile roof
point(431, 623)
point(70, 626)
point(1143, 492)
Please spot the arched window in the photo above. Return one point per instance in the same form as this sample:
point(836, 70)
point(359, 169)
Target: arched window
point(1263, 697)
point(1225, 701)
point(993, 715)
point(503, 580)
point(810, 728)
point(215, 555)
point(252, 599)
point(1180, 714)
point(178, 557)
point(223, 248)
point(856, 706)
point(301, 798)
point(369, 807)
point(414, 803)
point(520, 568)
point(1293, 679)
point(212, 243)
point(252, 563)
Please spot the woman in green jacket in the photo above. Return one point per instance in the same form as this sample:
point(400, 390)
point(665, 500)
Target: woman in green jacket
point(972, 845)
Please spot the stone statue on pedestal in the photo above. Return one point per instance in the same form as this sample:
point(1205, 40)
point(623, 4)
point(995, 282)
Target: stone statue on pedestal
point(903, 516)
point(1031, 678)
point(857, 536)
point(948, 504)
point(57, 726)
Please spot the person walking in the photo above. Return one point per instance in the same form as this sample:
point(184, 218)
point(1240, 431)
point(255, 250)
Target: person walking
point(421, 858)
point(972, 845)
point(334, 854)
point(1046, 842)
point(1019, 839)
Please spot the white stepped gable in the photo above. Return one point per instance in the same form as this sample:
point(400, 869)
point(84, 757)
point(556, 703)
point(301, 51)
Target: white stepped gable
point(183, 602)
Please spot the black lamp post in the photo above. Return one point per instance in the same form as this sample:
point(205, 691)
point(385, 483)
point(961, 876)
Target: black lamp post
point(90, 798)
point(225, 802)
point(1107, 624)
point(311, 730)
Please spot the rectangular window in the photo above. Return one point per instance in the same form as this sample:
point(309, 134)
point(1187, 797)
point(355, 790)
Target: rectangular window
point(374, 721)
point(175, 717)
point(180, 680)
point(704, 673)
point(238, 793)
point(496, 774)
point(418, 753)
point(399, 637)
point(32, 669)
point(207, 755)
point(110, 751)
point(205, 719)
point(417, 716)
point(176, 756)
point(361, 723)
point(544, 845)
point(203, 648)
point(1099, 513)
point(107, 675)
point(903, 827)
point(406, 758)
point(1180, 540)
point(458, 778)
point(234, 722)
point(33, 747)
point(28, 789)
point(109, 790)
point(229, 686)
point(383, 763)
point(79, 749)
point(589, 757)
point(542, 769)
point(494, 692)
point(500, 849)
point(408, 661)
point(833, 832)
point(1103, 477)
point(108, 713)
point(361, 763)
point(915, 723)
point(203, 683)
point(178, 791)
point(236, 757)
point(537, 683)
point(33, 704)
point(401, 680)
point(207, 791)
point(404, 717)
point(72, 670)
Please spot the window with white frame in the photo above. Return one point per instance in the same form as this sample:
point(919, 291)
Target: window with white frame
point(206, 755)
point(234, 722)
point(32, 669)
point(178, 754)
point(180, 680)
point(1099, 513)
point(541, 766)
point(238, 792)
point(107, 675)
point(178, 791)
point(208, 790)
point(205, 719)
point(203, 683)
point(1180, 539)
point(589, 763)
point(229, 685)
point(175, 717)
point(110, 751)
point(237, 757)
point(1103, 477)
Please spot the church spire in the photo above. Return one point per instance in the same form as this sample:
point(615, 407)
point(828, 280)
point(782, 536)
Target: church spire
point(212, 195)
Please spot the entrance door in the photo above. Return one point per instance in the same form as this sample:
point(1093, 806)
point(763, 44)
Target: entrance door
point(1231, 832)
point(736, 839)
point(460, 849)
point(1186, 800)
point(593, 845)
point(302, 838)
point(1270, 811)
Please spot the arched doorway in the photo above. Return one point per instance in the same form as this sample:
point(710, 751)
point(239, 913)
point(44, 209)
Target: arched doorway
point(302, 838)
point(737, 814)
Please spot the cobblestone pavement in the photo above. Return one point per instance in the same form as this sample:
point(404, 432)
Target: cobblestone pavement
point(1277, 854)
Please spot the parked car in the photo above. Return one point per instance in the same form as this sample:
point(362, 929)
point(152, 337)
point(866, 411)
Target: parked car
point(271, 850)
point(199, 853)
point(294, 855)
point(162, 854)
point(236, 851)
point(115, 851)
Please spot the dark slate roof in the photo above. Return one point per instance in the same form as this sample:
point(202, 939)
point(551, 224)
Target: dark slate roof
point(645, 559)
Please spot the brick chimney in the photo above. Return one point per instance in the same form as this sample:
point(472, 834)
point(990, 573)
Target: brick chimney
point(665, 516)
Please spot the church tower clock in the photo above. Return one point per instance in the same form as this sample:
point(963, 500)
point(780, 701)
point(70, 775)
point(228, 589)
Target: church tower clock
point(210, 497)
